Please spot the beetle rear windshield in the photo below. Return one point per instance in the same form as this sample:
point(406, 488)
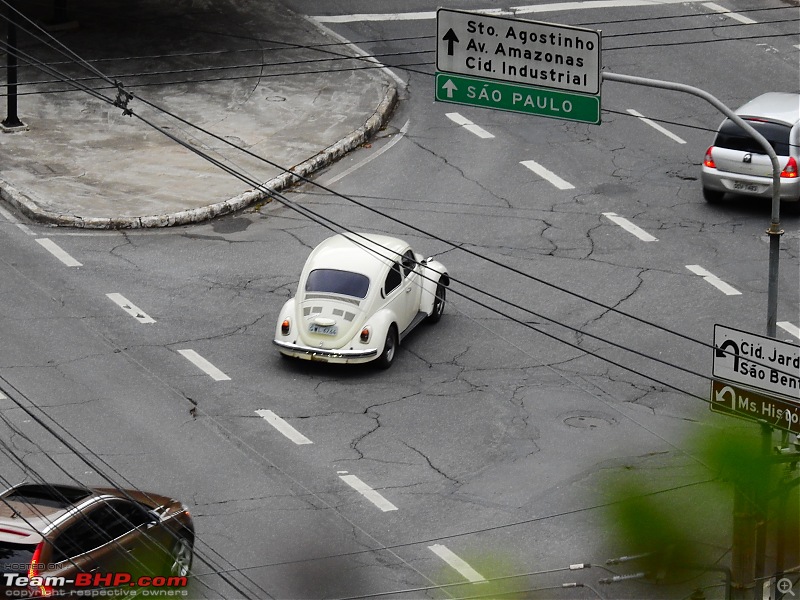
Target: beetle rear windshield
point(732, 136)
point(333, 281)
point(15, 558)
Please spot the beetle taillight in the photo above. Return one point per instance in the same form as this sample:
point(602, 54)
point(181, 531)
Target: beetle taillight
point(790, 170)
point(365, 335)
point(285, 327)
point(709, 161)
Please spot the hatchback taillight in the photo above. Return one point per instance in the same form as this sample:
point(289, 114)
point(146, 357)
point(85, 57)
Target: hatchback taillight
point(790, 170)
point(709, 161)
point(33, 571)
point(365, 335)
point(285, 327)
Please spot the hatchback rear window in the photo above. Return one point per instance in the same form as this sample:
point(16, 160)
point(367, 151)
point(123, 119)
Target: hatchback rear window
point(732, 136)
point(15, 558)
point(334, 281)
point(53, 496)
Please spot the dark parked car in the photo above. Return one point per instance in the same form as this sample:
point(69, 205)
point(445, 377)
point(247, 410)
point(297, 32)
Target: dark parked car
point(84, 534)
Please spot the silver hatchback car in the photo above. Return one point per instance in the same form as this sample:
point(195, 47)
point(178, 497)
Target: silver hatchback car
point(736, 163)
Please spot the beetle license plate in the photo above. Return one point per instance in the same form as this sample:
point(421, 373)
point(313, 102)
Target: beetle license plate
point(328, 330)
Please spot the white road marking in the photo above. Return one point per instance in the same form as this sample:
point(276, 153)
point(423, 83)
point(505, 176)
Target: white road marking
point(547, 174)
point(56, 251)
point(373, 156)
point(469, 125)
point(458, 563)
point(728, 13)
point(130, 308)
point(362, 53)
point(514, 10)
point(368, 493)
point(630, 227)
point(714, 280)
point(793, 329)
point(12, 219)
point(202, 364)
point(656, 126)
point(282, 426)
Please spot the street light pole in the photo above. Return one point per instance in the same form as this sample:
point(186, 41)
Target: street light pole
point(12, 120)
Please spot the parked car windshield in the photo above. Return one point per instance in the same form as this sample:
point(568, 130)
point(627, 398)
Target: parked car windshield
point(333, 281)
point(734, 137)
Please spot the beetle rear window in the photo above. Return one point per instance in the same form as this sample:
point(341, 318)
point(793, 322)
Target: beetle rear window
point(732, 136)
point(333, 281)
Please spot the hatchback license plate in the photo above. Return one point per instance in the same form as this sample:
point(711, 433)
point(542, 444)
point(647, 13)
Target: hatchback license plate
point(741, 185)
point(328, 330)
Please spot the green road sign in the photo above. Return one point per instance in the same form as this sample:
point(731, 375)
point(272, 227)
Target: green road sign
point(733, 400)
point(474, 91)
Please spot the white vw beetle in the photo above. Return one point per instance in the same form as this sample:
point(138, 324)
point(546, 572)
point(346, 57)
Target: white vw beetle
point(358, 296)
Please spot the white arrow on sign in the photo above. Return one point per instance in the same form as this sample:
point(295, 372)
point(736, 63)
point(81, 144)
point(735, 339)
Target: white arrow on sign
point(722, 392)
point(450, 87)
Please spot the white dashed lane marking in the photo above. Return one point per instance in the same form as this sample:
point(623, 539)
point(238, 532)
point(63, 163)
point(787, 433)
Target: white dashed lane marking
point(56, 251)
point(130, 308)
point(469, 125)
point(714, 280)
point(548, 175)
point(458, 563)
point(202, 364)
point(630, 227)
point(656, 126)
point(282, 426)
point(791, 328)
point(728, 13)
point(368, 493)
point(12, 219)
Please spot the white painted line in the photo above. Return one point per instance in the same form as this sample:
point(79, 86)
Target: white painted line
point(371, 157)
point(736, 16)
point(547, 174)
point(56, 251)
point(130, 308)
point(469, 125)
point(630, 227)
point(714, 280)
point(793, 329)
point(797, 46)
point(514, 10)
point(202, 364)
point(656, 126)
point(12, 219)
point(282, 426)
point(458, 563)
point(368, 493)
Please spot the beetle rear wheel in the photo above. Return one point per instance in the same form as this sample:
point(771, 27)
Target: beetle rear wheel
point(386, 358)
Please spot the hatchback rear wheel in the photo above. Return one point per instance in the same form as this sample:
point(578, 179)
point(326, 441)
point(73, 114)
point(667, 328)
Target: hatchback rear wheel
point(712, 196)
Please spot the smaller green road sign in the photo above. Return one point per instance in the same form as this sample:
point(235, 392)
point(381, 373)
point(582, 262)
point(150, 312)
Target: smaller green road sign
point(733, 400)
point(474, 91)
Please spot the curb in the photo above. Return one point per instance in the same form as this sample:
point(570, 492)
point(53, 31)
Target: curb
point(196, 215)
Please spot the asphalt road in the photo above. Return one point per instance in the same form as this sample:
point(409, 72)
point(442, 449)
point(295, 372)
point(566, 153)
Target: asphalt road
point(489, 439)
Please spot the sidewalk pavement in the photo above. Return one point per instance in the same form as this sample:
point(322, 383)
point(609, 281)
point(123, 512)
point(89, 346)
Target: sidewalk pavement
point(253, 73)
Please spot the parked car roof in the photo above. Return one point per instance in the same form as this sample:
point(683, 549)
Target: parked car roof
point(781, 107)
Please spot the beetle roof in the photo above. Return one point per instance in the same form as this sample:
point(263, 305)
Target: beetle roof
point(363, 252)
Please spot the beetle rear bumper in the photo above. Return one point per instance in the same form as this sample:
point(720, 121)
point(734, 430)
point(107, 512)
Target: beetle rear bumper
point(333, 355)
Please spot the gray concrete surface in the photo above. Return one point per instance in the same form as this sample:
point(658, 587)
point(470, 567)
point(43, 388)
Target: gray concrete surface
point(253, 73)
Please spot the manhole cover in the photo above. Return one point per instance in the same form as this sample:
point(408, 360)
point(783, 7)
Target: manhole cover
point(585, 419)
